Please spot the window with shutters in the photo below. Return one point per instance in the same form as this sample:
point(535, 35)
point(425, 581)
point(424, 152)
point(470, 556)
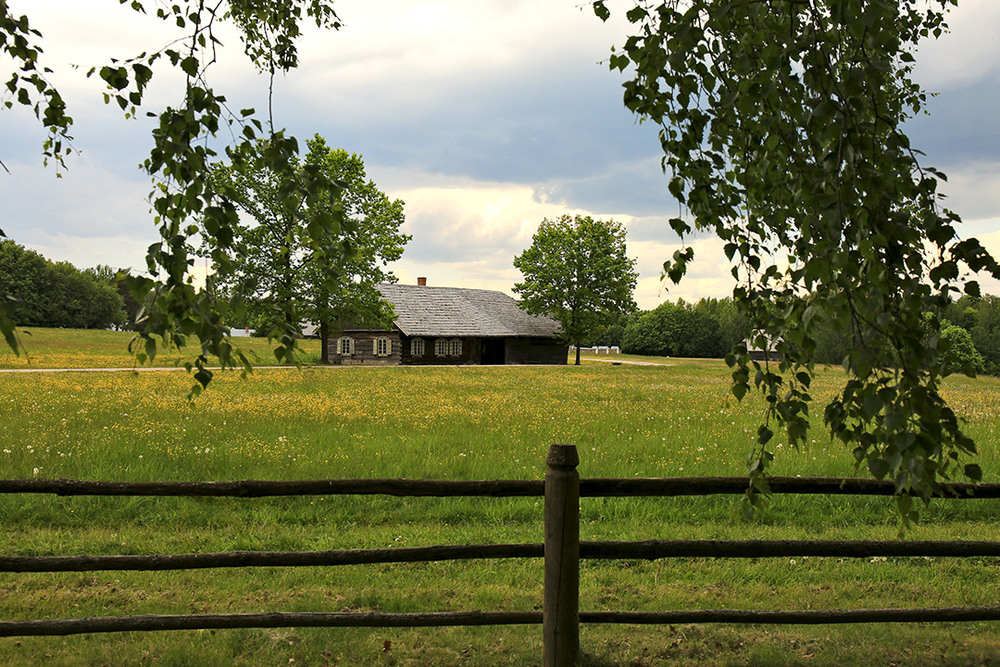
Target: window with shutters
point(345, 346)
point(455, 347)
point(383, 346)
point(417, 347)
point(441, 347)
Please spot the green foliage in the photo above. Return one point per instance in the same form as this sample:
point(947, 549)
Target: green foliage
point(964, 311)
point(577, 271)
point(961, 355)
point(980, 316)
point(119, 280)
point(46, 294)
point(733, 325)
point(181, 153)
point(986, 333)
point(275, 262)
point(707, 329)
point(782, 130)
point(610, 333)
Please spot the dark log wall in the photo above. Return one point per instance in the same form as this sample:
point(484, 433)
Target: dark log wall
point(536, 351)
point(516, 351)
point(470, 353)
point(364, 349)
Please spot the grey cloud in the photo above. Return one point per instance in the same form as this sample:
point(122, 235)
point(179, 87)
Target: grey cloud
point(973, 191)
point(651, 229)
point(960, 126)
point(635, 188)
point(549, 122)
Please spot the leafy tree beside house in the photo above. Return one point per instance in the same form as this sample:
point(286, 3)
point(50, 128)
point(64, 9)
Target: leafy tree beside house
point(181, 151)
point(577, 271)
point(276, 265)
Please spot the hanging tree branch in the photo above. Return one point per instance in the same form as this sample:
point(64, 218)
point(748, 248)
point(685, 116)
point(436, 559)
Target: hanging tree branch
point(782, 130)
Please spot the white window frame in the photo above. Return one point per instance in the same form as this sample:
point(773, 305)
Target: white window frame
point(345, 346)
point(441, 347)
point(417, 347)
point(455, 347)
point(382, 347)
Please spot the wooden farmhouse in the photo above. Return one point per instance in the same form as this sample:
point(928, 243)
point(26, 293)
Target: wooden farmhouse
point(451, 325)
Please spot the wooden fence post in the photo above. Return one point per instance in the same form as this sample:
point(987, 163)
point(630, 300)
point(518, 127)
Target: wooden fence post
point(561, 609)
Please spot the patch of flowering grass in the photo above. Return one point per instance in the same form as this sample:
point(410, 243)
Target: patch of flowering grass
point(96, 348)
point(458, 423)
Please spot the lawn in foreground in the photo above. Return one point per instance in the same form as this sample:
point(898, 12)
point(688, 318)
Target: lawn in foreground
point(456, 423)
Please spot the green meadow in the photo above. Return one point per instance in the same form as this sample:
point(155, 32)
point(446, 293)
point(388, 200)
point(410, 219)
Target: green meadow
point(457, 423)
point(97, 348)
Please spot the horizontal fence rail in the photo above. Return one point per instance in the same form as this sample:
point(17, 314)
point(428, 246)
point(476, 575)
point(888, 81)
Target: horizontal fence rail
point(308, 619)
point(827, 486)
point(812, 617)
point(654, 549)
point(642, 550)
point(260, 489)
point(562, 550)
point(153, 622)
point(595, 487)
point(158, 562)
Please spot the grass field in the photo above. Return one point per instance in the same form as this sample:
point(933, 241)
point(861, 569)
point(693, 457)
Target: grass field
point(96, 348)
point(457, 423)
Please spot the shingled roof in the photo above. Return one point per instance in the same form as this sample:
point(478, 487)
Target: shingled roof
point(457, 311)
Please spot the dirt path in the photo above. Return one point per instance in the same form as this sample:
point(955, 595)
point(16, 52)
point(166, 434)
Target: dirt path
point(144, 369)
point(631, 362)
point(140, 369)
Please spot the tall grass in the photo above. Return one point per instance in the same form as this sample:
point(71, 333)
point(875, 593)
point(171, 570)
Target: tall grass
point(455, 423)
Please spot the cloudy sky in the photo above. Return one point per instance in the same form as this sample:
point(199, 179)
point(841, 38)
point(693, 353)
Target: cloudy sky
point(483, 117)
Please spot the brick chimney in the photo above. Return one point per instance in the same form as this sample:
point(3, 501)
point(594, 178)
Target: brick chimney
point(422, 282)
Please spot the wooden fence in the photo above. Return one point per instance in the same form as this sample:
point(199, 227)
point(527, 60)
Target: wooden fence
point(562, 550)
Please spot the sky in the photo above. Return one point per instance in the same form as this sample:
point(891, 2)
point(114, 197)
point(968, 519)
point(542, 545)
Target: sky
point(483, 117)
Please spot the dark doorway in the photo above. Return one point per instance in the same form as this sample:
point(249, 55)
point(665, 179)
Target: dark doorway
point(493, 352)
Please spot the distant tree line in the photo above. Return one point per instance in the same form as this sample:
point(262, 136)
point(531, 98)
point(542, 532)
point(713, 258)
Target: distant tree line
point(980, 318)
point(706, 329)
point(710, 328)
point(57, 294)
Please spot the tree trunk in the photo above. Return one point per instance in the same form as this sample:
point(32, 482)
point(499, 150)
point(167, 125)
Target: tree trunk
point(577, 354)
point(324, 350)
